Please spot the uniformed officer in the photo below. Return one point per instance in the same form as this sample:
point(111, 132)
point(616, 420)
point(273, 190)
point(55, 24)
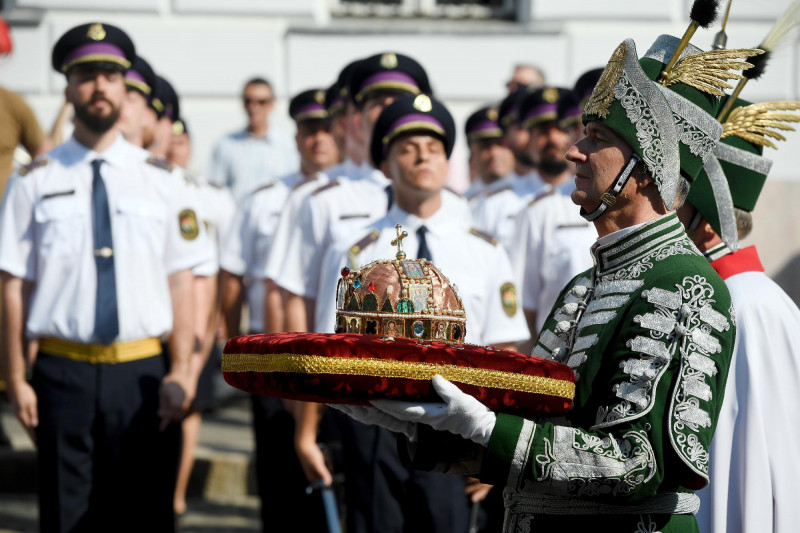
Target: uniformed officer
point(329, 210)
point(515, 137)
point(138, 117)
point(547, 145)
point(94, 241)
point(381, 492)
point(281, 482)
point(489, 157)
point(550, 237)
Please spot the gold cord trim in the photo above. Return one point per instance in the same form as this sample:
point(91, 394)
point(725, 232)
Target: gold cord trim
point(317, 364)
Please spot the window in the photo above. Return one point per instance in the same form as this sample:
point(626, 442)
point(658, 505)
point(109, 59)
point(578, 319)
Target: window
point(456, 9)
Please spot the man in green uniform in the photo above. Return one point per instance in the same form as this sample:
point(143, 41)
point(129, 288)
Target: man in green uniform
point(649, 329)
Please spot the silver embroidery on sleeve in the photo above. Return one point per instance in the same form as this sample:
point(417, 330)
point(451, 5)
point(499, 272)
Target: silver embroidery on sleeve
point(582, 464)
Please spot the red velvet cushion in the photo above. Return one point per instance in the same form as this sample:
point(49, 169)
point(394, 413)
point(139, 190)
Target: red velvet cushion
point(351, 368)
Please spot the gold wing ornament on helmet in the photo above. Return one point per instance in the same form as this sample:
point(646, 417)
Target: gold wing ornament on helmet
point(709, 71)
point(756, 122)
point(603, 93)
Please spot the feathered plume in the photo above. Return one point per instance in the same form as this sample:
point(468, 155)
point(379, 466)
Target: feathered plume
point(709, 71)
point(756, 122)
point(787, 21)
point(703, 14)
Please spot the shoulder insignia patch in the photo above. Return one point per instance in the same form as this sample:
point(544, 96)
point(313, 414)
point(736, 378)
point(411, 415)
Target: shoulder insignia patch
point(160, 163)
point(483, 235)
point(508, 295)
point(187, 220)
point(365, 241)
point(504, 188)
point(543, 194)
point(33, 165)
point(326, 187)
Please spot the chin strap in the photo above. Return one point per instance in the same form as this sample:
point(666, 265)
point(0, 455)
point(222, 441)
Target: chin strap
point(609, 197)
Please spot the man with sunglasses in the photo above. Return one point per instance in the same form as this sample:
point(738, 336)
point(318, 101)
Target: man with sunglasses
point(258, 153)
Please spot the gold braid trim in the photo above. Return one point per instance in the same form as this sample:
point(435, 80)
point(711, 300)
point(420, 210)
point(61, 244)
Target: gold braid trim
point(756, 122)
point(709, 71)
point(317, 364)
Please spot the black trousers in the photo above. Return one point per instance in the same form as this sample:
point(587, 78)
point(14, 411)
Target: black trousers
point(384, 496)
point(103, 463)
point(285, 506)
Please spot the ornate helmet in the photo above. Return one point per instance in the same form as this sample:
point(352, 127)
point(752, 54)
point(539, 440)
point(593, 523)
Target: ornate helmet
point(403, 297)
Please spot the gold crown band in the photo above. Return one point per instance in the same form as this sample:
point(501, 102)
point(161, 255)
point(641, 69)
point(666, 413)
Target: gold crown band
point(318, 364)
point(415, 316)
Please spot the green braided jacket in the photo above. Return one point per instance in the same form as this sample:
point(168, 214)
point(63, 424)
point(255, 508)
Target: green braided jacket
point(649, 331)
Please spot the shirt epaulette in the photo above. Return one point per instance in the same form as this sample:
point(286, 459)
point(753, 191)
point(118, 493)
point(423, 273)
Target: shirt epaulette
point(541, 195)
point(483, 235)
point(192, 179)
point(454, 192)
point(504, 188)
point(365, 241)
point(327, 186)
point(263, 187)
point(160, 163)
point(303, 182)
point(33, 165)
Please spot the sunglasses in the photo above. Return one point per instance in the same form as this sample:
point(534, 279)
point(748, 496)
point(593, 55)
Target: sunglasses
point(262, 101)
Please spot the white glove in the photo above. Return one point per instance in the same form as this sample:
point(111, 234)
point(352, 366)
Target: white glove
point(460, 413)
point(375, 417)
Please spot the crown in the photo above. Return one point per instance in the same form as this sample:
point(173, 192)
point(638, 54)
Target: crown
point(403, 297)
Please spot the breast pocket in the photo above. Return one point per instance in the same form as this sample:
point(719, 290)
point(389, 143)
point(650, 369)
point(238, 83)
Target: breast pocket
point(63, 226)
point(141, 226)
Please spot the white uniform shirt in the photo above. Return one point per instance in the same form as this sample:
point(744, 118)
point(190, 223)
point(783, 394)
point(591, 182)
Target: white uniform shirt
point(216, 210)
point(342, 208)
point(242, 160)
point(755, 458)
point(550, 246)
point(475, 266)
point(46, 237)
point(497, 212)
point(251, 238)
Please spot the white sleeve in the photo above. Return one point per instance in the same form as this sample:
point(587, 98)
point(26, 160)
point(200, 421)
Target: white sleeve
point(533, 255)
point(236, 251)
point(16, 230)
point(217, 172)
point(300, 271)
point(188, 244)
point(504, 319)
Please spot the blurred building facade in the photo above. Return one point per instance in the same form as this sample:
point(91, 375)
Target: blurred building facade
point(209, 48)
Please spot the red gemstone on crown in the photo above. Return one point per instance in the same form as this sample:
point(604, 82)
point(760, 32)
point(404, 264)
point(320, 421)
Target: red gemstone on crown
point(371, 287)
point(345, 272)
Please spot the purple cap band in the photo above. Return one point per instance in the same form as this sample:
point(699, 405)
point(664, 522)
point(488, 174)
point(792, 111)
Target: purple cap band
point(390, 79)
point(309, 108)
point(135, 76)
point(412, 122)
point(92, 49)
point(485, 125)
point(540, 110)
point(574, 111)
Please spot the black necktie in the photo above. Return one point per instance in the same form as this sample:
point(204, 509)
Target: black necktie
point(423, 252)
point(106, 320)
point(389, 196)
